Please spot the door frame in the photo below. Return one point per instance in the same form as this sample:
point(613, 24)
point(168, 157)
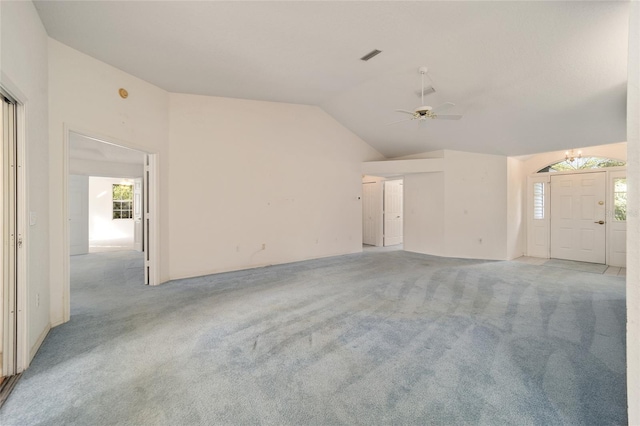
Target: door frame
point(546, 177)
point(152, 263)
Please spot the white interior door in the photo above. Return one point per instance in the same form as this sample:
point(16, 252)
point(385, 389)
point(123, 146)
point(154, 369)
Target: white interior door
point(137, 215)
point(372, 207)
point(78, 214)
point(617, 219)
point(10, 244)
point(578, 215)
point(393, 225)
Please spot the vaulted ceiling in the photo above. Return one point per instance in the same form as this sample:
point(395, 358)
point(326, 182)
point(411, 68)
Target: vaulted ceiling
point(526, 76)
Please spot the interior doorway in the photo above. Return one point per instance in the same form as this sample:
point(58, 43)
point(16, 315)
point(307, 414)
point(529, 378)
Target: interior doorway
point(112, 202)
point(382, 211)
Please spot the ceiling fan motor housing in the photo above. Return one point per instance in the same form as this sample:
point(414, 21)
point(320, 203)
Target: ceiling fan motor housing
point(423, 110)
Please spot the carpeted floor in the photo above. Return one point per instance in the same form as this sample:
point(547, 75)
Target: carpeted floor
point(372, 338)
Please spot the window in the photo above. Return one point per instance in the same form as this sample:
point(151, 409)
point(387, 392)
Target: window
point(538, 200)
point(122, 201)
point(582, 163)
point(620, 199)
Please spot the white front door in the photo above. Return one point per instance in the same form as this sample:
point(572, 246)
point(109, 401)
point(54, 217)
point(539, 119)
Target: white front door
point(393, 226)
point(78, 214)
point(578, 214)
point(137, 215)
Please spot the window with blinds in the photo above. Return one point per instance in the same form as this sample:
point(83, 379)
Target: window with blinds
point(538, 200)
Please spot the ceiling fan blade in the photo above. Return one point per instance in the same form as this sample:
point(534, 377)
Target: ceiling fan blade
point(443, 107)
point(448, 117)
point(405, 111)
point(400, 121)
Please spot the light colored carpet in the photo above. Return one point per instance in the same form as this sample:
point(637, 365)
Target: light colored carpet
point(372, 338)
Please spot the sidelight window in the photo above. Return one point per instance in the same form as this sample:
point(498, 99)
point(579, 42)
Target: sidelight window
point(620, 199)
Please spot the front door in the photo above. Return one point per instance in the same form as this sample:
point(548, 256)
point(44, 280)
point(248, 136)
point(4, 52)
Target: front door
point(393, 226)
point(578, 214)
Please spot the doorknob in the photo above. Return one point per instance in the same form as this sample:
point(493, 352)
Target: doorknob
point(600, 222)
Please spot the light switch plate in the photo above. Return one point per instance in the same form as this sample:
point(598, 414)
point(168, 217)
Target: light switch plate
point(33, 218)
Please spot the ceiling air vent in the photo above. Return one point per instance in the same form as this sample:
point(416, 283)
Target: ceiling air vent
point(371, 55)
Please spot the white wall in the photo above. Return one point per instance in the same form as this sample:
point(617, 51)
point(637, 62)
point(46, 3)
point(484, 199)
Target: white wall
point(516, 208)
point(102, 226)
point(84, 97)
point(251, 173)
point(475, 205)
point(24, 73)
point(633, 218)
point(468, 210)
point(424, 213)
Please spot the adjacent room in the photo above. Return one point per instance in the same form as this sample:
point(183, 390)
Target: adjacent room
point(320, 212)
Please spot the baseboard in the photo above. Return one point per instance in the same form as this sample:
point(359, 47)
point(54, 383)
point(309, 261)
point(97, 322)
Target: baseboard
point(36, 346)
point(57, 323)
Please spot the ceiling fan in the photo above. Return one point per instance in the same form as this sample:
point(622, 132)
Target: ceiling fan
point(424, 112)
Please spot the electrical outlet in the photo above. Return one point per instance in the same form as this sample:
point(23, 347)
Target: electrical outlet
point(37, 300)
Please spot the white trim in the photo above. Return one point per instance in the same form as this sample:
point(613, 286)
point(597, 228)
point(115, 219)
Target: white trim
point(22, 215)
point(66, 250)
point(38, 343)
point(154, 220)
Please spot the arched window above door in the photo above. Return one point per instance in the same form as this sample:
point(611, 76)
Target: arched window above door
point(582, 163)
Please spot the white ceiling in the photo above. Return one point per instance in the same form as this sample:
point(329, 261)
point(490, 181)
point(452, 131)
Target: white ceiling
point(527, 76)
point(86, 148)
